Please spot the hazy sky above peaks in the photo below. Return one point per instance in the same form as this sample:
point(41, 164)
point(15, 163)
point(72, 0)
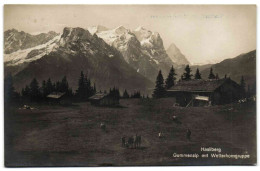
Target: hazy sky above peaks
point(203, 33)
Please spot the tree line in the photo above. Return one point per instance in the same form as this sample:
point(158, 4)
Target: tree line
point(37, 92)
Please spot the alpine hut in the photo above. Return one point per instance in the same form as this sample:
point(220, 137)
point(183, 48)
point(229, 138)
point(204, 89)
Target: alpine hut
point(205, 92)
point(56, 97)
point(103, 99)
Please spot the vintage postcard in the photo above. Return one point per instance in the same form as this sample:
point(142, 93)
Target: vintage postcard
point(129, 85)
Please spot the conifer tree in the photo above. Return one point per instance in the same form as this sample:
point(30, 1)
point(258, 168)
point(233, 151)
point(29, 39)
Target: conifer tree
point(26, 91)
point(243, 86)
point(87, 86)
point(125, 94)
point(89, 89)
point(170, 79)
point(49, 87)
point(94, 89)
point(211, 74)
point(136, 94)
point(85, 89)
point(35, 93)
point(159, 90)
point(64, 85)
point(114, 93)
point(242, 82)
point(58, 86)
point(187, 74)
point(197, 74)
point(80, 92)
point(44, 89)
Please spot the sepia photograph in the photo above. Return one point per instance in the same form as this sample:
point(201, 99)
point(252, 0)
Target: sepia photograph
point(129, 85)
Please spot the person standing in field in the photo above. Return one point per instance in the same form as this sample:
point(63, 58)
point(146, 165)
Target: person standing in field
point(123, 141)
point(188, 134)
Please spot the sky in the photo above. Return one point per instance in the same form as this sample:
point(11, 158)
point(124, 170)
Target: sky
point(203, 33)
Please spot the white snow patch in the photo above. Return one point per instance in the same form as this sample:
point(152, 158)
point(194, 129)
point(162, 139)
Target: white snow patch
point(19, 56)
point(96, 29)
point(119, 36)
point(157, 62)
point(146, 42)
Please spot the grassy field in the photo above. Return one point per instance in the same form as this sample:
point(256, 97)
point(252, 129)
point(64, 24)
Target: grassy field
point(71, 135)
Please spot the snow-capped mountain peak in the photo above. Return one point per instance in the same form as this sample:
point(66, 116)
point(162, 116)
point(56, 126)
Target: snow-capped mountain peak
point(142, 33)
point(141, 48)
point(176, 56)
point(117, 37)
point(139, 28)
point(121, 30)
point(97, 29)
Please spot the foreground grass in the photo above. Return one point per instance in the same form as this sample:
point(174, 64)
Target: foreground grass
point(71, 136)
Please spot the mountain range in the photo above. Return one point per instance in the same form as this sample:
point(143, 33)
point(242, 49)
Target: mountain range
point(74, 51)
point(142, 49)
point(128, 59)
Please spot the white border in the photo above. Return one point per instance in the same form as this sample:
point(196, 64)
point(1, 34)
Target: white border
point(121, 2)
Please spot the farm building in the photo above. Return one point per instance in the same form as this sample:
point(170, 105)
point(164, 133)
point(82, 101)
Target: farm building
point(205, 92)
point(103, 99)
point(57, 97)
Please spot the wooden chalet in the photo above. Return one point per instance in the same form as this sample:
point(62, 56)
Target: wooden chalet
point(56, 97)
point(205, 92)
point(103, 99)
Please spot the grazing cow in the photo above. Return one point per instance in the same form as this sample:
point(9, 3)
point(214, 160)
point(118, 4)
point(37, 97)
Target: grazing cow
point(123, 142)
point(188, 134)
point(103, 126)
point(130, 142)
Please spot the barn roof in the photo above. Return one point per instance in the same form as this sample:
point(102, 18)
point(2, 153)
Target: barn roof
point(98, 96)
point(198, 85)
point(55, 95)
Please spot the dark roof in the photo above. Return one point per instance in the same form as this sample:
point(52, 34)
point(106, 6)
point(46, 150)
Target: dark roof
point(55, 95)
point(98, 96)
point(198, 85)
